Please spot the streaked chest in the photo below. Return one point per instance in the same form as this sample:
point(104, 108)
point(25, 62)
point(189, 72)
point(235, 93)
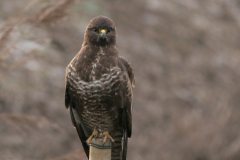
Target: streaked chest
point(94, 90)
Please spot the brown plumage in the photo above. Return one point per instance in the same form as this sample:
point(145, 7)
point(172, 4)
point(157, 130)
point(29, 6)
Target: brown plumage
point(99, 88)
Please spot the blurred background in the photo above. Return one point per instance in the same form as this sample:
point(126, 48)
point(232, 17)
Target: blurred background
point(186, 59)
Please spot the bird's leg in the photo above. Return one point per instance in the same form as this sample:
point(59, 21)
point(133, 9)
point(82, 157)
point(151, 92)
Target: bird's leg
point(94, 134)
point(106, 135)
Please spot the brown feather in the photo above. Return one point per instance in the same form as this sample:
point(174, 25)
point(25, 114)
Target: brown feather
point(99, 87)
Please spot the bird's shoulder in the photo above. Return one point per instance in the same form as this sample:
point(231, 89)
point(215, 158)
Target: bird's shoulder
point(124, 64)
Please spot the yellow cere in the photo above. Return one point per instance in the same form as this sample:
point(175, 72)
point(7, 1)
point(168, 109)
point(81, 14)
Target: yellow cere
point(103, 30)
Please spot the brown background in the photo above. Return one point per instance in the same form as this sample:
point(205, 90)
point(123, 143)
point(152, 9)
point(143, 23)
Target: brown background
point(186, 59)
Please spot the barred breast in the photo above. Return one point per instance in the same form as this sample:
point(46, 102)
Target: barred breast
point(94, 97)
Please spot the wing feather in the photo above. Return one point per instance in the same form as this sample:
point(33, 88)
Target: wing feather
point(128, 94)
point(69, 103)
point(129, 70)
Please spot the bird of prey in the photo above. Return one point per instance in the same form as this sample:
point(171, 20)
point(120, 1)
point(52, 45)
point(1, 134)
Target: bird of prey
point(99, 89)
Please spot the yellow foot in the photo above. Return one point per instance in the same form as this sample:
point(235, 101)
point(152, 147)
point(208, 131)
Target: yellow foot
point(94, 134)
point(106, 135)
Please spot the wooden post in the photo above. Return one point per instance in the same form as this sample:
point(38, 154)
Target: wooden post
point(98, 151)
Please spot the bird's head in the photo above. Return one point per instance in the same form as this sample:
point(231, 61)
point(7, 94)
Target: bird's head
point(100, 31)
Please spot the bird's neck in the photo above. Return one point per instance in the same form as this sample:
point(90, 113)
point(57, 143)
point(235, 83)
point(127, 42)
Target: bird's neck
point(97, 50)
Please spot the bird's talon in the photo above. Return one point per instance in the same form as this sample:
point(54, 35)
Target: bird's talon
point(106, 135)
point(94, 135)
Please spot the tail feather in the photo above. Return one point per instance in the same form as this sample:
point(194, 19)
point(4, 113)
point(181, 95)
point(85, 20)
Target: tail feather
point(117, 149)
point(117, 146)
point(124, 145)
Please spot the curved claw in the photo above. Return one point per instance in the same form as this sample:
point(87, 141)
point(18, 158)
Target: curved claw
point(94, 134)
point(106, 135)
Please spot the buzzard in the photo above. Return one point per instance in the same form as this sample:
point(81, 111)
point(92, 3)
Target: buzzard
point(99, 89)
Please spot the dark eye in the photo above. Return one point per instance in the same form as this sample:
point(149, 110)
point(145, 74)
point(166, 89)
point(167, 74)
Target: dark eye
point(108, 31)
point(94, 30)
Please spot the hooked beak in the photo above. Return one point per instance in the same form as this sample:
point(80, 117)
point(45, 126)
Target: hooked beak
point(103, 33)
